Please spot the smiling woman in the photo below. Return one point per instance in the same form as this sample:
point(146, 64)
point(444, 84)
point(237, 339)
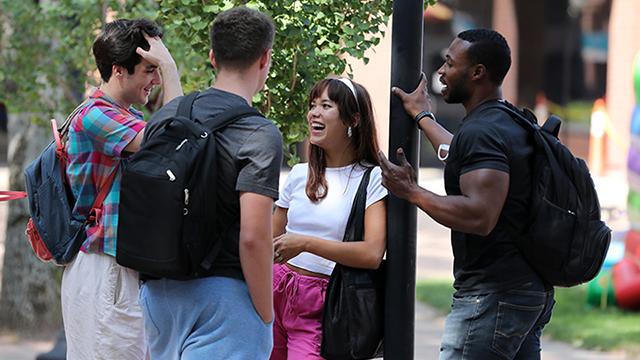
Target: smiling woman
point(343, 147)
point(341, 129)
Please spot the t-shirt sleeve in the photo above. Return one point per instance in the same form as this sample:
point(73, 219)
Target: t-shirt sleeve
point(109, 129)
point(482, 147)
point(286, 192)
point(375, 190)
point(260, 157)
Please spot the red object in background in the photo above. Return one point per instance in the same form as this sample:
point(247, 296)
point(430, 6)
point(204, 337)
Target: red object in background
point(626, 284)
point(632, 245)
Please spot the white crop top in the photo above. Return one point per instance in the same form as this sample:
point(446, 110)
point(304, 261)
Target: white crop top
point(328, 218)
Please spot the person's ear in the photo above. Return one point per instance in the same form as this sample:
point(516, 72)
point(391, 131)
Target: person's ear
point(117, 71)
point(356, 120)
point(479, 71)
point(212, 59)
point(265, 59)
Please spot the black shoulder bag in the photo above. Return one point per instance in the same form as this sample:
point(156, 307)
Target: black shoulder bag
point(353, 317)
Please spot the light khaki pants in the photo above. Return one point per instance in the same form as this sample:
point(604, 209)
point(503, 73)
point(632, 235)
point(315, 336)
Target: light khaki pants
point(102, 317)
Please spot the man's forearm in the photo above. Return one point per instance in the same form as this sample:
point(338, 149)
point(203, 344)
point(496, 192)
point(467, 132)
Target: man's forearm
point(256, 259)
point(435, 133)
point(455, 212)
point(171, 87)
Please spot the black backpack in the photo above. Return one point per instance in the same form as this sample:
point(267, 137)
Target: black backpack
point(167, 211)
point(565, 242)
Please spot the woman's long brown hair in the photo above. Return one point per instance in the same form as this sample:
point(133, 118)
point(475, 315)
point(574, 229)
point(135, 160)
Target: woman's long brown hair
point(364, 138)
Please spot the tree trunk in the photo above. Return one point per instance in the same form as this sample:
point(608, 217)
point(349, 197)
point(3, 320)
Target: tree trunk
point(30, 292)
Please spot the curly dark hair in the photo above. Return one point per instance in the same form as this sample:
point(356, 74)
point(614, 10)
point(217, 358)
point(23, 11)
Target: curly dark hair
point(239, 36)
point(490, 49)
point(117, 43)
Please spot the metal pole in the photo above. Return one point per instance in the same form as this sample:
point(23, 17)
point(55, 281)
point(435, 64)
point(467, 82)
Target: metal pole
point(406, 66)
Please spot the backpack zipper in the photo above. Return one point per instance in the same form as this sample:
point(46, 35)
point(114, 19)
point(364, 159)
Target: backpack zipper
point(180, 145)
point(186, 202)
point(171, 176)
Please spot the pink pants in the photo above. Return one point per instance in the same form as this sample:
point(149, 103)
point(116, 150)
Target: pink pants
point(298, 301)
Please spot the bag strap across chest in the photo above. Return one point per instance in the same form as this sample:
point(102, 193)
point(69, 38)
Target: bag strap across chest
point(355, 225)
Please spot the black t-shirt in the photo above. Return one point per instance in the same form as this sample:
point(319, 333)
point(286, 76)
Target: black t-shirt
point(249, 158)
point(491, 139)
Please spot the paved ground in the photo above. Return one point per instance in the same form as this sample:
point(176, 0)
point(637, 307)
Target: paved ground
point(433, 259)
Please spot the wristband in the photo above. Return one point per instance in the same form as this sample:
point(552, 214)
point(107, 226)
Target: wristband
point(422, 115)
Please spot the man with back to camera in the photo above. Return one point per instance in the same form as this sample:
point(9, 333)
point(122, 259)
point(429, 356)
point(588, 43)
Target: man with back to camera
point(500, 305)
point(227, 312)
point(100, 310)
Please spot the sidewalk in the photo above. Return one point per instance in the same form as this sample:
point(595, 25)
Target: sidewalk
point(433, 260)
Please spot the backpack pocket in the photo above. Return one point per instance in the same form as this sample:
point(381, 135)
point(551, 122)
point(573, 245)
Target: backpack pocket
point(541, 242)
point(552, 216)
point(149, 231)
point(596, 247)
point(59, 232)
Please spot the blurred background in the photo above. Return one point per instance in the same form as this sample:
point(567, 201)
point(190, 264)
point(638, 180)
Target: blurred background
point(578, 59)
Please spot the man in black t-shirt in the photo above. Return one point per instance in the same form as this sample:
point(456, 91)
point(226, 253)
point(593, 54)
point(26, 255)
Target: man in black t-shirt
point(500, 305)
point(228, 312)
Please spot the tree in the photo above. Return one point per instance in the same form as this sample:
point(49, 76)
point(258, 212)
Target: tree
point(312, 41)
point(45, 62)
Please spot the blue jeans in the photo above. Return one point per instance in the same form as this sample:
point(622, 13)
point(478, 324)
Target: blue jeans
point(505, 325)
point(207, 318)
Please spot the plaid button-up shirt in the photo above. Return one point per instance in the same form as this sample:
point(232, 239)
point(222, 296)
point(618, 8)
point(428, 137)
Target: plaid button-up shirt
point(96, 142)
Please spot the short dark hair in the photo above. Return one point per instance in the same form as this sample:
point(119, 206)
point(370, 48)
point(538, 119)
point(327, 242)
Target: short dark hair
point(239, 36)
point(490, 49)
point(117, 43)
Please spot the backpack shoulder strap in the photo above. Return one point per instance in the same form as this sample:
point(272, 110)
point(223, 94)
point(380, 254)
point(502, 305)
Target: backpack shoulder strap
point(64, 128)
point(185, 107)
point(216, 123)
point(104, 190)
point(516, 115)
point(226, 117)
point(551, 126)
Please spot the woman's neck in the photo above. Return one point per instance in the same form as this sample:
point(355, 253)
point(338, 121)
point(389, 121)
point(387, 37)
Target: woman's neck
point(340, 158)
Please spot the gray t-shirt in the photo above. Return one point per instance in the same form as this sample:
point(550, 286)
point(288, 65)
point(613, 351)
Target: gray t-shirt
point(249, 159)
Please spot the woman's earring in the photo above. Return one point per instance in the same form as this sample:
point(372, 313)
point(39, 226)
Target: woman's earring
point(349, 132)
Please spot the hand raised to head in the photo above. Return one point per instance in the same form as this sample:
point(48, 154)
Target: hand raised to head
point(399, 179)
point(417, 101)
point(157, 54)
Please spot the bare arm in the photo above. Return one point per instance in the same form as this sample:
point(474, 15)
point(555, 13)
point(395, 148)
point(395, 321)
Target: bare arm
point(417, 102)
point(476, 211)
point(256, 250)
point(361, 254)
point(160, 56)
point(279, 221)
point(134, 145)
